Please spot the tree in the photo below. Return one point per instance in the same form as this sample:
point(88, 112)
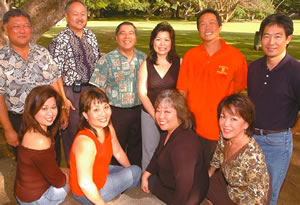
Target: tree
point(3, 8)
point(94, 6)
point(44, 14)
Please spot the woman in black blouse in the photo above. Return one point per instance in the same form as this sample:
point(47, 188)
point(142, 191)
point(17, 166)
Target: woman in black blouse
point(177, 173)
point(158, 72)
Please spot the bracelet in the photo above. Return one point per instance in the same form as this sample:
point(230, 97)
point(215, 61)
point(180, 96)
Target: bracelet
point(64, 107)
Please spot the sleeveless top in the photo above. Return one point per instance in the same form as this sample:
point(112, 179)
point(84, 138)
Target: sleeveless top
point(156, 84)
point(100, 167)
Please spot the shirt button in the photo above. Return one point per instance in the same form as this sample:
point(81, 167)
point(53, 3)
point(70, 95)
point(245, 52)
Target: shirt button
point(267, 76)
point(265, 83)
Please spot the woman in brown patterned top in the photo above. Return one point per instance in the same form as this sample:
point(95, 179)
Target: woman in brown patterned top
point(39, 180)
point(242, 177)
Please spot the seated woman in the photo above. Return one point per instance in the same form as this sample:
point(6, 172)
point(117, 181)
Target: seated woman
point(242, 177)
point(39, 180)
point(92, 179)
point(177, 172)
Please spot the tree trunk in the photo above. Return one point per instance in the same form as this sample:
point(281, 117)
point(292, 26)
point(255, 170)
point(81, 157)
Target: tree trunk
point(3, 8)
point(44, 14)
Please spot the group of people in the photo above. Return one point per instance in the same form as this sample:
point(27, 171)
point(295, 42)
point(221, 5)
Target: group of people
point(180, 121)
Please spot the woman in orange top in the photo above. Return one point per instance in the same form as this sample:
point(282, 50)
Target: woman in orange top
point(92, 179)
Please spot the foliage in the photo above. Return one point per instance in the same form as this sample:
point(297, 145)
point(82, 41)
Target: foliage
point(96, 4)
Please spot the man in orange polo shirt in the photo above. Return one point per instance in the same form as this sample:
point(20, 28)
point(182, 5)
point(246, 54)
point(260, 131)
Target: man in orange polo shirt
point(208, 73)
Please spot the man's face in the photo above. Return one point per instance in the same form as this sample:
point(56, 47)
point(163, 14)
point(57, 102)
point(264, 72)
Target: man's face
point(209, 29)
point(274, 40)
point(76, 17)
point(18, 30)
point(126, 38)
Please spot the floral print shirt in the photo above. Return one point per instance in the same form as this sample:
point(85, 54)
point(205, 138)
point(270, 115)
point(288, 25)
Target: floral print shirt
point(246, 173)
point(18, 77)
point(119, 77)
point(75, 57)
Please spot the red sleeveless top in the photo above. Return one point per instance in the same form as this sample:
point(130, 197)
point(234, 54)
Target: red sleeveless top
point(100, 168)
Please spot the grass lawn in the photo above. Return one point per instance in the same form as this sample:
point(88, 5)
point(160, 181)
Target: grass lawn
point(240, 35)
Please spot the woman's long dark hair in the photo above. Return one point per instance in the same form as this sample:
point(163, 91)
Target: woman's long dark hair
point(33, 103)
point(163, 26)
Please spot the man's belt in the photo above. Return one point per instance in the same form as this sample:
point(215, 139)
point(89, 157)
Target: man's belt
point(267, 132)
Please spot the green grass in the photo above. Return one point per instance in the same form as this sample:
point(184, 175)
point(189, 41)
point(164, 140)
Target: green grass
point(239, 34)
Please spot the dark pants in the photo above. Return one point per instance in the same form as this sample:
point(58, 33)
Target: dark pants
point(127, 123)
point(70, 132)
point(217, 191)
point(57, 147)
point(15, 120)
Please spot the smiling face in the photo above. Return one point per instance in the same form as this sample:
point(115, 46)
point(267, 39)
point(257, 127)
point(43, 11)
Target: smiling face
point(126, 38)
point(166, 117)
point(274, 41)
point(47, 114)
point(231, 124)
point(76, 17)
point(209, 29)
point(18, 30)
point(98, 116)
point(162, 43)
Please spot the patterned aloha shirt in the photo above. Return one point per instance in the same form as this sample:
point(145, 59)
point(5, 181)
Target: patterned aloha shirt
point(119, 77)
point(75, 57)
point(18, 77)
point(246, 173)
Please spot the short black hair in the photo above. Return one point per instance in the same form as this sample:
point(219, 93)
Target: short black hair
point(125, 23)
point(67, 8)
point(14, 13)
point(205, 11)
point(278, 19)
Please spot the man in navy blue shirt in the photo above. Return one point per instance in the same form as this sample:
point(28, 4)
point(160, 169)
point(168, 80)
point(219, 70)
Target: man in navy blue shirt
point(274, 88)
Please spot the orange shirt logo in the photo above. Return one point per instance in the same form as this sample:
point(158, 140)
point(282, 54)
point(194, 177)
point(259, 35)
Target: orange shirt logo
point(222, 70)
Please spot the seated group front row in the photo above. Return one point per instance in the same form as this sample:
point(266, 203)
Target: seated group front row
point(178, 172)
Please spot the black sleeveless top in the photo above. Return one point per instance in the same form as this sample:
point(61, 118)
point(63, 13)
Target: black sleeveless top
point(156, 84)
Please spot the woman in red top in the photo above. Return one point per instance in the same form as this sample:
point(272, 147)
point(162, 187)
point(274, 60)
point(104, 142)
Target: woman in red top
point(39, 180)
point(92, 179)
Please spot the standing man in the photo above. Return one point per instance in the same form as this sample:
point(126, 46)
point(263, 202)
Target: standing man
point(75, 51)
point(23, 66)
point(116, 74)
point(274, 87)
point(208, 73)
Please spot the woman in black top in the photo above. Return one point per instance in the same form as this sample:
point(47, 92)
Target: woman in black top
point(177, 172)
point(157, 73)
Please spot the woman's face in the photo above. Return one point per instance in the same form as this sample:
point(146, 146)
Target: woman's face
point(162, 43)
point(98, 115)
point(232, 125)
point(166, 117)
point(47, 114)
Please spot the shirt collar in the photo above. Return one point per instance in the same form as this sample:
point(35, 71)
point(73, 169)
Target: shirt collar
point(84, 30)
point(280, 64)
